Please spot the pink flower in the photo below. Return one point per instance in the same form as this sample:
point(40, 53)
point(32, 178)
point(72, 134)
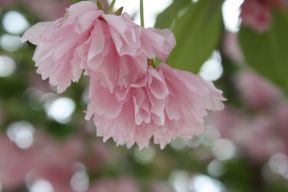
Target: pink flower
point(122, 56)
point(276, 3)
point(14, 164)
point(43, 160)
point(163, 103)
point(57, 42)
point(129, 101)
point(47, 159)
point(120, 185)
point(259, 136)
point(256, 15)
point(256, 91)
point(231, 47)
point(6, 3)
point(46, 9)
point(87, 38)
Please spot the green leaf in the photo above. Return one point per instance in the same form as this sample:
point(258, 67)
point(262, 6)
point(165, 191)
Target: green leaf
point(267, 52)
point(165, 19)
point(197, 33)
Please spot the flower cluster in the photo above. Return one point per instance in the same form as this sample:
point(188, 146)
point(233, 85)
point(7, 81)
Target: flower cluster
point(130, 99)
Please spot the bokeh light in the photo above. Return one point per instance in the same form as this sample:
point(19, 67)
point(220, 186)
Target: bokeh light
point(216, 168)
point(279, 164)
point(80, 179)
point(61, 109)
point(14, 22)
point(178, 144)
point(41, 185)
point(224, 149)
point(21, 133)
point(144, 156)
point(7, 66)
point(203, 183)
point(151, 11)
point(231, 14)
point(10, 43)
point(212, 69)
point(180, 180)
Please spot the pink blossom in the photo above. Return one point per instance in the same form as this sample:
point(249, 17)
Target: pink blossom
point(47, 159)
point(57, 42)
point(163, 103)
point(42, 8)
point(121, 60)
point(120, 185)
point(130, 101)
point(259, 136)
point(276, 3)
point(12, 171)
point(6, 3)
point(163, 187)
point(259, 140)
point(256, 91)
point(256, 15)
point(87, 38)
point(231, 47)
point(47, 9)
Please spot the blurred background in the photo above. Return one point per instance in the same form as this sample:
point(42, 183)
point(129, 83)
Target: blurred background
point(242, 46)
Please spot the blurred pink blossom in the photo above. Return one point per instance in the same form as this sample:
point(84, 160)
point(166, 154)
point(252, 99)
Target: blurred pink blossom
point(14, 164)
point(258, 136)
point(164, 103)
point(263, 140)
point(96, 155)
point(258, 13)
point(256, 91)
point(47, 159)
point(44, 9)
point(161, 188)
point(6, 3)
point(120, 185)
point(231, 48)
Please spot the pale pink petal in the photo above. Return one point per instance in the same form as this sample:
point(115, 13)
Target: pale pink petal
point(157, 43)
point(34, 34)
point(165, 105)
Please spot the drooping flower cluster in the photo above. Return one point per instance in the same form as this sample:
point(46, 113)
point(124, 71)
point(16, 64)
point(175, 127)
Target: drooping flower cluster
point(258, 13)
point(130, 100)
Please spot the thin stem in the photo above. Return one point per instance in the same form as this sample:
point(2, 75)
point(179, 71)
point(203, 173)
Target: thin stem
point(111, 6)
point(142, 13)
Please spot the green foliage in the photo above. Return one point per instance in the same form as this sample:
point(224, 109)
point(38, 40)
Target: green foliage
point(165, 19)
point(267, 52)
point(197, 33)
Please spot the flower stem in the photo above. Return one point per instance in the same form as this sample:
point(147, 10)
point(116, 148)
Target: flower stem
point(111, 6)
point(142, 13)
